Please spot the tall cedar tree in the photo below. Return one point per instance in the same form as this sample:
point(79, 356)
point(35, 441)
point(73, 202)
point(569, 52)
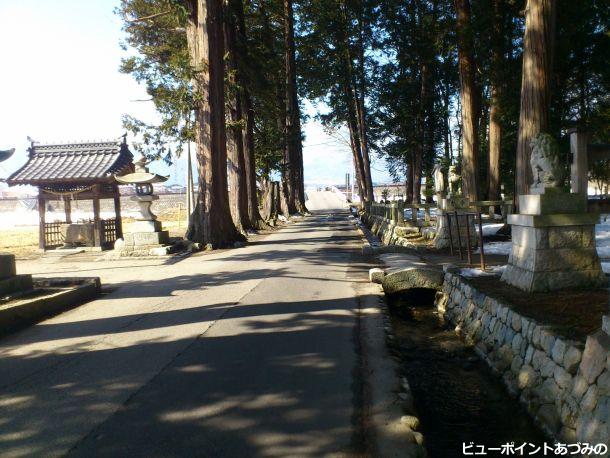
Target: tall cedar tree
point(238, 191)
point(211, 223)
point(495, 121)
point(538, 45)
point(294, 146)
point(470, 100)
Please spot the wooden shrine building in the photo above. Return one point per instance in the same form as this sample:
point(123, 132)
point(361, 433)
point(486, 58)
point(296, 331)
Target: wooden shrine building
point(75, 172)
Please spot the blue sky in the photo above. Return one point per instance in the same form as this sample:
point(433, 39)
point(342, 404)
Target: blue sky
point(60, 82)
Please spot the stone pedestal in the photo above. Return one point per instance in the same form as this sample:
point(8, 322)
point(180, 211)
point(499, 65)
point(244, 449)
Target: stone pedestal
point(553, 244)
point(450, 205)
point(10, 282)
point(146, 238)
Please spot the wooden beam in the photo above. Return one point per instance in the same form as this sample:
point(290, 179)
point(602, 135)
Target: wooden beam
point(68, 209)
point(97, 222)
point(117, 213)
point(42, 204)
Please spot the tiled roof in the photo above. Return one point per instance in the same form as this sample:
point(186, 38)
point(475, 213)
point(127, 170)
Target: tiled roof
point(95, 162)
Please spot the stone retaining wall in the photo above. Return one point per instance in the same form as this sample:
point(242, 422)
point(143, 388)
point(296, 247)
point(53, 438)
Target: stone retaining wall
point(390, 233)
point(565, 385)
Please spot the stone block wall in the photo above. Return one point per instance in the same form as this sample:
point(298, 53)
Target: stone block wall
point(388, 232)
point(564, 385)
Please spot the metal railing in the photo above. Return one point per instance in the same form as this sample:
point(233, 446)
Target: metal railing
point(479, 220)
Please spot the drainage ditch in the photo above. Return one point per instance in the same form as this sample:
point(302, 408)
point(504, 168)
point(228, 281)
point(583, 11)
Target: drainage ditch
point(457, 397)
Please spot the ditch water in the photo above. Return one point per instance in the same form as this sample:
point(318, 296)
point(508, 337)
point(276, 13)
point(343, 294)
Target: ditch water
point(457, 398)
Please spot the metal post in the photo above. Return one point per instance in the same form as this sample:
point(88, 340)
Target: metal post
point(482, 253)
point(468, 247)
point(459, 237)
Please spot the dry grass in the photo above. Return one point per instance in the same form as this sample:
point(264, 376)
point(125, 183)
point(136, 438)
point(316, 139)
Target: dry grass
point(23, 241)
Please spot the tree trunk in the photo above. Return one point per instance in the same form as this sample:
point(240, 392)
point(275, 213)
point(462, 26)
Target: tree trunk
point(293, 113)
point(419, 147)
point(238, 194)
point(495, 125)
point(495, 148)
point(254, 216)
point(410, 179)
point(538, 44)
point(360, 95)
point(469, 97)
point(355, 112)
point(211, 223)
point(357, 156)
point(270, 200)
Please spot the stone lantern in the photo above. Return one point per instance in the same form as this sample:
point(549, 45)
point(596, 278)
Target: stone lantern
point(147, 236)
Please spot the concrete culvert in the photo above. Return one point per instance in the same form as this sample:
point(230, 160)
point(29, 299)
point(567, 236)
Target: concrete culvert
point(401, 281)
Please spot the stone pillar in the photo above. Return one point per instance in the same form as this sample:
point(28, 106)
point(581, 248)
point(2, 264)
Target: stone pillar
point(553, 244)
point(394, 212)
point(400, 220)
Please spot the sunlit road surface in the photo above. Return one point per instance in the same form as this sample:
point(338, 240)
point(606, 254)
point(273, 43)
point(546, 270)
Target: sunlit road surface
point(244, 352)
point(324, 200)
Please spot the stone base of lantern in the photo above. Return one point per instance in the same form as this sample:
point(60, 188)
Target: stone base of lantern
point(146, 238)
point(553, 250)
point(143, 244)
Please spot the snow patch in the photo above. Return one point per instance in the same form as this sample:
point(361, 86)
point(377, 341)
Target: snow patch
point(472, 272)
point(491, 229)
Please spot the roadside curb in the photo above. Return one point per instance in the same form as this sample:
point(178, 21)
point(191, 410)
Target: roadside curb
point(71, 292)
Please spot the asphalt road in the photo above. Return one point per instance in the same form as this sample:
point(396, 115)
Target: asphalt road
point(244, 352)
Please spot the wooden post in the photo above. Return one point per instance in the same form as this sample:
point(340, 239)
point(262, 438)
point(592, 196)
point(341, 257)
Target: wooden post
point(97, 222)
point(117, 213)
point(68, 209)
point(580, 163)
point(41, 219)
